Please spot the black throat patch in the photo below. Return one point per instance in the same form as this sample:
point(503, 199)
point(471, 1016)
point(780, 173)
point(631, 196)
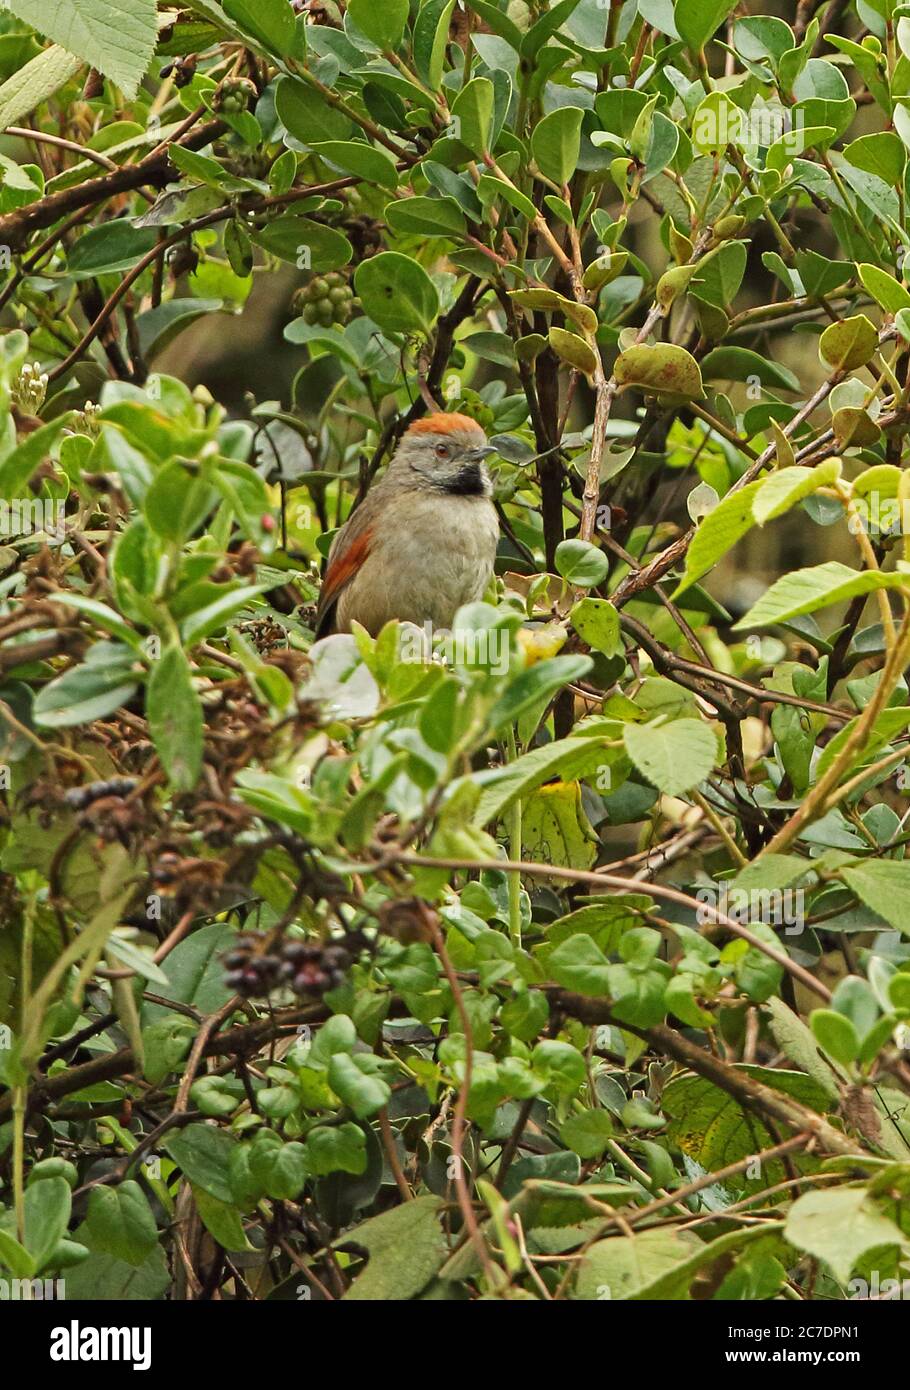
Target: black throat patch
point(467, 482)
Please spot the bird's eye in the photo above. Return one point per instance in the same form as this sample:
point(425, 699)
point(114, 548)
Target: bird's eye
point(442, 451)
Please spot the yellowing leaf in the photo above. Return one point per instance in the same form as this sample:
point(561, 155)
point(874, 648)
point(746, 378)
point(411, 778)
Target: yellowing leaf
point(665, 371)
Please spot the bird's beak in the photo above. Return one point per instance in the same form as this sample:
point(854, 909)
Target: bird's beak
point(481, 452)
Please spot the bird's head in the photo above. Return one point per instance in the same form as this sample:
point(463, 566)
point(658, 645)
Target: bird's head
point(445, 452)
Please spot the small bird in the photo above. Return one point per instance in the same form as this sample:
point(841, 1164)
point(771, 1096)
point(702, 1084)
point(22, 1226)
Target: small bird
point(423, 541)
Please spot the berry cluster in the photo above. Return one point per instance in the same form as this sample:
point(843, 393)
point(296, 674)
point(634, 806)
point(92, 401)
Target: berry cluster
point(313, 969)
point(326, 300)
point(309, 968)
point(233, 96)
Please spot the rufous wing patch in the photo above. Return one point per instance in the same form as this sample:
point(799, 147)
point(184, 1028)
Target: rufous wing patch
point(343, 567)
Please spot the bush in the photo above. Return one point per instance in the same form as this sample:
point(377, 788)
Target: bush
point(461, 970)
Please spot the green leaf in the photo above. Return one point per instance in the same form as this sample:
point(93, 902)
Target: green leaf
point(674, 756)
point(382, 23)
point(555, 143)
point(698, 20)
point(490, 188)
point(580, 965)
point(406, 1247)
point(664, 370)
point(567, 758)
point(472, 115)
point(178, 501)
point(795, 1040)
point(535, 686)
point(839, 1226)
point(81, 695)
point(719, 275)
point(544, 28)
point(269, 21)
point(881, 154)
point(336, 1149)
point(783, 489)
point(19, 465)
point(119, 1222)
point(203, 1152)
point(819, 274)
point(44, 75)
point(674, 1282)
point(195, 971)
point(889, 293)
point(723, 526)
point(623, 1266)
point(397, 293)
point(597, 622)
point(158, 327)
point(848, 344)
point(560, 1064)
point(426, 216)
point(306, 116)
point(364, 1093)
point(104, 616)
point(305, 243)
point(732, 363)
point(877, 197)
point(835, 1035)
point(524, 1016)
point(15, 1257)
point(215, 615)
point(716, 123)
point(795, 142)
point(581, 563)
point(47, 1213)
point(574, 350)
point(218, 1096)
point(587, 1134)
point(115, 36)
point(713, 1129)
point(175, 718)
point(582, 314)
point(883, 885)
point(280, 1168)
point(431, 36)
point(805, 590)
point(113, 246)
point(889, 723)
point(165, 1043)
point(555, 828)
point(356, 157)
point(243, 488)
point(337, 1034)
point(221, 1220)
point(105, 1278)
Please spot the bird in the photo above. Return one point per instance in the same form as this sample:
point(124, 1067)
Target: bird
point(423, 541)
